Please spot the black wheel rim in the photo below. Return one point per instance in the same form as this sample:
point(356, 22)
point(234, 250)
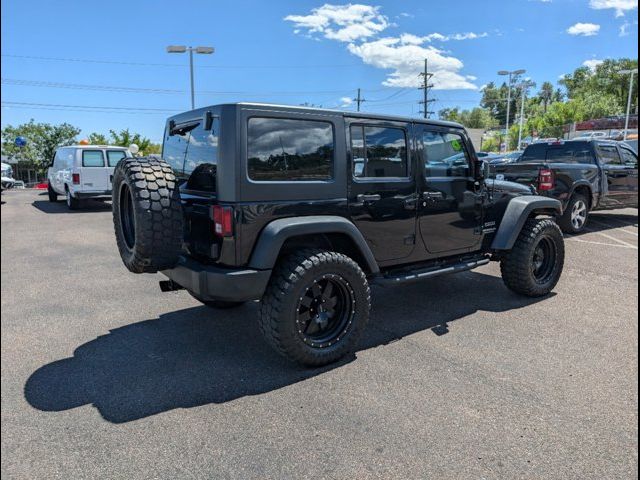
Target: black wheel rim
point(325, 311)
point(544, 260)
point(126, 216)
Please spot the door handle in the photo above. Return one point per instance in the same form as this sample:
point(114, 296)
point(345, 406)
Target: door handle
point(432, 195)
point(368, 198)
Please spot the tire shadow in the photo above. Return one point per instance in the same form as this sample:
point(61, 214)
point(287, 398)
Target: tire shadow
point(87, 206)
point(199, 356)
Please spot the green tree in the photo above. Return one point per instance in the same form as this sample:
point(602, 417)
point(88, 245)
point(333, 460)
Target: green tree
point(546, 95)
point(124, 138)
point(42, 141)
point(97, 139)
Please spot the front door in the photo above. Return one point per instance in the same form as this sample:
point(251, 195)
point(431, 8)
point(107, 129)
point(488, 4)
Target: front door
point(382, 191)
point(449, 209)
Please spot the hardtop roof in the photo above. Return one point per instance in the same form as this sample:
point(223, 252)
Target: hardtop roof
point(295, 108)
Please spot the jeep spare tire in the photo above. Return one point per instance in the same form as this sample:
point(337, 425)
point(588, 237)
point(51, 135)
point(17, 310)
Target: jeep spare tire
point(147, 214)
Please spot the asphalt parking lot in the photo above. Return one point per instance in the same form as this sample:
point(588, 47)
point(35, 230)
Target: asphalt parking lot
point(103, 376)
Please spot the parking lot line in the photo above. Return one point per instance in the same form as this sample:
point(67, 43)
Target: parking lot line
point(600, 243)
point(618, 229)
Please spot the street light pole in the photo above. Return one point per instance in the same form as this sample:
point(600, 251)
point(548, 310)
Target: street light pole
point(183, 49)
point(511, 74)
point(626, 120)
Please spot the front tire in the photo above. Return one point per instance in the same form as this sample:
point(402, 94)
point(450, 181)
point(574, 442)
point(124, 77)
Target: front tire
point(534, 264)
point(574, 219)
point(316, 307)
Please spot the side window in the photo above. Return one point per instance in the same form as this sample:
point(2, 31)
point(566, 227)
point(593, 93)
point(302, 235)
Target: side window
point(445, 155)
point(202, 146)
point(280, 149)
point(379, 152)
point(92, 158)
point(628, 157)
point(174, 147)
point(114, 156)
point(609, 155)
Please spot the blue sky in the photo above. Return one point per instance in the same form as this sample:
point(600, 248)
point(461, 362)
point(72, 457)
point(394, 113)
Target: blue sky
point(286, 52)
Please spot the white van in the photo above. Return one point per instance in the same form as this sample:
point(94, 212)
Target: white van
point(83, 171)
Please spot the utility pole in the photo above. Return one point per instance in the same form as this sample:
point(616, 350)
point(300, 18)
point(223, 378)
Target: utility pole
point(524, 86)
point(511, 74)
point(358, 100)
point(631, 73)
point(425, 91)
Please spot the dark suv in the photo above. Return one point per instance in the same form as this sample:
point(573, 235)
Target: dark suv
point(304, 208)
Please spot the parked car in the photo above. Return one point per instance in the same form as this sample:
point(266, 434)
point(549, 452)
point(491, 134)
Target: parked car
point(7, 180)
point(505, 158)
point(584, 175)
point(80, 172)
point(591, 136)
point(305, 208)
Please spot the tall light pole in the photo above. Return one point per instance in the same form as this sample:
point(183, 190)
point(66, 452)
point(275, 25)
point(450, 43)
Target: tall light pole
point(523, 86)
point(631, 73)
point(511, 75)
point(183, 49)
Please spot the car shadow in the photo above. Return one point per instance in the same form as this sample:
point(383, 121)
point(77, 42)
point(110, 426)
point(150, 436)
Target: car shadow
point(87, 206)
point(603, 221)
point(199, 356)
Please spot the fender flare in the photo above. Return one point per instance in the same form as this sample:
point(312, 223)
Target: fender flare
point(516, 214)
point(584, 183)
point(274, 235)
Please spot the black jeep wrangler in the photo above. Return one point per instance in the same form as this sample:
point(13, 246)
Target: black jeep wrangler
point(304, 208)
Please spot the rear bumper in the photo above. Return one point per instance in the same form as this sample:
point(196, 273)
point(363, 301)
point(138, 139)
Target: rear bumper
point(215, 283)
point(93, 194)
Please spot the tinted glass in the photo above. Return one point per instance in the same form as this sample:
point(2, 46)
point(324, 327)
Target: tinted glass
point(609, 154)
point(114, 156)
point(202, 146)
point(174, 147)
point(92, 158)
point(379, 152)
point(286, 149)
point(444, 155)
point(570, 152)
point(628, 157)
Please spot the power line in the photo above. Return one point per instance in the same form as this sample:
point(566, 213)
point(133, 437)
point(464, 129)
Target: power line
point(140, 109)
point(142, 64)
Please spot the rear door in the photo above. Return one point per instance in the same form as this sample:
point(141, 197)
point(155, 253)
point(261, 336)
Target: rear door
point(630, 162)
point(382, 193)
point(449, 213)
point(616, 175)
point(113, 157)
point(93, 170)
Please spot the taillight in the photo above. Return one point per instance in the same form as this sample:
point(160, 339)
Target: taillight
point(75, 178)
point(222, 221)
point(545, 179)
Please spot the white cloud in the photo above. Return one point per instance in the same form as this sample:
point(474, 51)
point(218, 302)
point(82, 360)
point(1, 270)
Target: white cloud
point(360, 27)
point(620, 6)
point(624, 29)
point(346, 101)
point(345, 23)
point(592, 64)
point(407, 60)
point(584, 29)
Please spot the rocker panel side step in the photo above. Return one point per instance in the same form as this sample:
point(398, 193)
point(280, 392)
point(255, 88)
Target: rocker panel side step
point(416, 275)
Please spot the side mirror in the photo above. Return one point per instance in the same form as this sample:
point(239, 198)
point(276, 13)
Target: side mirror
point(483, 169)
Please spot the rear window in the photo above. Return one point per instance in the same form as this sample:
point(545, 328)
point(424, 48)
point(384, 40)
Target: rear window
point(280, 149)
point(174, 147)
point(92, 158)
point(202, 146)
point(114, 156)
point(562, 153)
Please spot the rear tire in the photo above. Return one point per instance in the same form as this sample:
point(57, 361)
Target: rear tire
point(53, 196)
point(315, 307)
point(534, 264)
point(574, 219)
point(218, 304)
point(72, 202)
point(147, 214)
